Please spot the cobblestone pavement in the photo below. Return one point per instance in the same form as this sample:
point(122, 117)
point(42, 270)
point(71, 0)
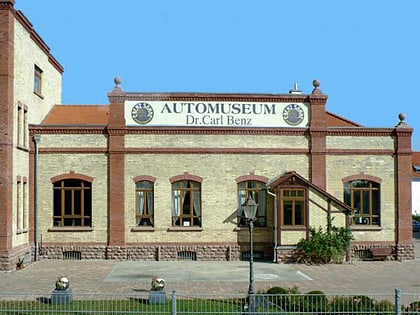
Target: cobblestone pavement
point(192, 277)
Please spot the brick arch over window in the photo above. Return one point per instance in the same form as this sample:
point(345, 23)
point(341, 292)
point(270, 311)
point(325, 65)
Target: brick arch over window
point(251, 176)
point(144, 178)
point(72, 175)
point(362, 176)
point(186, 176)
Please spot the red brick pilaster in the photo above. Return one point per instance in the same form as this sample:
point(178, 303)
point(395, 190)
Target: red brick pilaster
point(403, 153)
point(116, 151)
point(317, 132)
point(6, 124)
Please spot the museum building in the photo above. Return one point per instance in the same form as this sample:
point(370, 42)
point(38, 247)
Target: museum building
point(165, 176)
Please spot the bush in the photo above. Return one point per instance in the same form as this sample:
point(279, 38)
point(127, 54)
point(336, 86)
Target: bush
point(315, 301)
point(351, 304)
point(285, 299)
point(384, 305)
point(324, 247)
point(413, 308)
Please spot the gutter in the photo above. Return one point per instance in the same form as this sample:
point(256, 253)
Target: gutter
point(37, 138)
point(275, 223)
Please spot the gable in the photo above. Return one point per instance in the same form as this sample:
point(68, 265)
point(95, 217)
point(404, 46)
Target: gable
point(292, 178)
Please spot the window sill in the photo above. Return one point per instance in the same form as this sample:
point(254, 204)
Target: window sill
point(365, 228)
point(293, 228)
point(70, 229)
point(21, 231)
point(38, 94)
point(185, 229)
point(22, 147)
point(142, 229)
point(246, 228)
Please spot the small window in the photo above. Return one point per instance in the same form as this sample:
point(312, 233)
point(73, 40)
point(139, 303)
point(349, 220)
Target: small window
point(72, 203)
point(364, 197)
point(38, 81)
point(144, 203)
point(255, 190)
point(22, 125)
point(186, 203)
point(293, 207)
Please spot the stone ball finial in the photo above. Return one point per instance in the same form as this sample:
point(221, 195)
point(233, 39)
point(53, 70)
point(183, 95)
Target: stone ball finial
point(316, 91)
point(316, 83)
point(401, 116)
point(117, 81)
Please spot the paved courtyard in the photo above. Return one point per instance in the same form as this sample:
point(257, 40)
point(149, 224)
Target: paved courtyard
point(193, 277)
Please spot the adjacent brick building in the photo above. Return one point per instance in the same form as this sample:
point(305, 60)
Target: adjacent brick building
point(164, 176)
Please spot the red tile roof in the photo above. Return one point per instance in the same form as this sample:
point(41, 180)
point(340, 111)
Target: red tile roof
point(415, 160)
point(333, 120)
point(77, 115)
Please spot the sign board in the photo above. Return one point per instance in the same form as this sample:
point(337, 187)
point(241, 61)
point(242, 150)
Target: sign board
point(216, 114)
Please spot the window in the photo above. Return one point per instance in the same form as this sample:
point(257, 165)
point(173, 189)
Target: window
point(38, 80)
point(293, 207)
point(144, 203)
point(21, 204)
point(19, 208)
point(255, 190)
point(186, 203)
point(22, 125)
point(72, 203)
point(363, 197)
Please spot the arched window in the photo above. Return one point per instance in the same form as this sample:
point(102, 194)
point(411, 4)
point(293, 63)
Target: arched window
point(72, 202)
point(186, 203)
point(255, 190)
point(144, 203)
point(364, 197)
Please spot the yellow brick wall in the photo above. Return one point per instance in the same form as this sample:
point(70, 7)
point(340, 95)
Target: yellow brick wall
point(339, 167)
point(73, 141)
point(94, 165)
point(219, 190)
point(360, 143)
point(26, 55)
point(215, 141)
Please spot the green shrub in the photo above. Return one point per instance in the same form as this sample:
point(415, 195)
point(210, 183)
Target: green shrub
point(384, 305)
point(324, 247)
point(413, 308)
point(277, 290)
point(285, 299)
point(351, 304)
point(315, 301)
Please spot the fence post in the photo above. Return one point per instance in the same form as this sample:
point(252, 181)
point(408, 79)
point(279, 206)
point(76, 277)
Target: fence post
point(174, 302)
point(397, 301)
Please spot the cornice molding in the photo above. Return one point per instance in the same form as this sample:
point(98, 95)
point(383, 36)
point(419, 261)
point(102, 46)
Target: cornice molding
point(66, 130)
point(218, 131)
point(38, 40)
point(359, 152)
point(7, 4)
point(336, 131)
point(208, 97)
point(187, 150)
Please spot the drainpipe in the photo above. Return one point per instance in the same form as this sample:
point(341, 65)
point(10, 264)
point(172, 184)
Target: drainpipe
point(275, 223)
point(37, 138)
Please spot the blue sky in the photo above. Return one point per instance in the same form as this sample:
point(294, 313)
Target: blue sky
point(365, 53)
